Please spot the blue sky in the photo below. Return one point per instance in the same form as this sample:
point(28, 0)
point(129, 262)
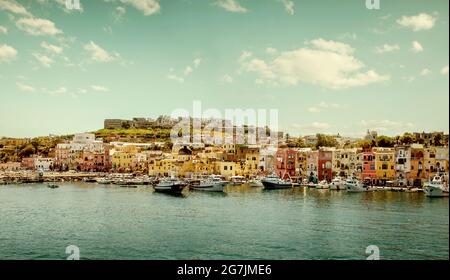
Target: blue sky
point(327, 66)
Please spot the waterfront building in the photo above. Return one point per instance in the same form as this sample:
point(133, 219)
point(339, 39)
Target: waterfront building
point(301, 168)
point(312, 162)
point(225, 168)
point(325, 158)
point(384, 164)
point(44, 164)
point(11, 166)
point(416, 176)
point(285, 163)
point(347, 162)
point(368, 166)
point(402, 164)
point(442, 159)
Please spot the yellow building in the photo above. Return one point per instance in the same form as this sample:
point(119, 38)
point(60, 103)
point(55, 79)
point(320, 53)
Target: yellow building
point(122, 159)
point(225, 168)
point(164, 167)
point(384, 164)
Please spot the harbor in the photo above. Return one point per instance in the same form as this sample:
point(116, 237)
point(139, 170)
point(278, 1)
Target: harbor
point(242, 223)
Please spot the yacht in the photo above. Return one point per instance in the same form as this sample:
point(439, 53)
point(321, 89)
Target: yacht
point(354, 185)
point(272, 182)
point(436, 187)
point(214, 183)
point(171, 185)
point(337, 184)
point(322, 185)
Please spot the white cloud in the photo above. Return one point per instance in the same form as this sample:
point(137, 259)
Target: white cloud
point(323, 105)
point(120, 10)
point(231, 6)
point(425, 72)
point(99, 88)
point(7, 53)
point(416, 47)
point(197, 62)
point(332, 46)
point(186, 72)
point(25, 88)
point(51, 48)
point(331, 65)
point(37, 26)
point(99, 54)
point(43, 59)
point(3, 30)
point(387, 48)
point(13, 7)
point(289, 6)
point(444, 70)
point(271, 50)
point(419, 22)
point(227, 79)
point(56, 92)
point(147, 7)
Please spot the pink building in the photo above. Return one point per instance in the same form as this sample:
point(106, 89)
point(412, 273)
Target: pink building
point(368, 166)
point(285, 164)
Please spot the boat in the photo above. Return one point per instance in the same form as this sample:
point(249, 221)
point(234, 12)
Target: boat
point(354, 185)
point(337, 184)
point(437, 187)
point(171, 185)
point(89, 180)
point(237, 180)
point(215, 183)
point(52, 186)
point(256, 183)
point(104, 180)
point(322, 185)
point(273, 182)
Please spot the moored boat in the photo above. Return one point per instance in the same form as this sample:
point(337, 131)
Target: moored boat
point(337, 184)
point(237, 180)
point(322, 185)
point(354, 185)
point(215, 183)
point(256, 183)
point(273, 182)
point(437, 187)
point(52, 186)
point(172, 185)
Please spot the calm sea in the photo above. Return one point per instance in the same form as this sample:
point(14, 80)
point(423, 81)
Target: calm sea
point(111, 222)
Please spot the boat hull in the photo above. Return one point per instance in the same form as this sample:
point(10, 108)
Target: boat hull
point(434, 191)
point(176, 188)
point(216, 187)
point(275, 186)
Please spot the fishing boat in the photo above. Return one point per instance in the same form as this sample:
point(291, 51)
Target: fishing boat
point(354, 185)
point(337, 184)
point(237, 180)
point(214, 183)
point(437, 187)
point(322, 185)
point(273, 182)
point(171, 185)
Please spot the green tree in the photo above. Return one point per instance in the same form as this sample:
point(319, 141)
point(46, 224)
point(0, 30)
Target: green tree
point(27, 151)
point(325, 141)
point(385, 141)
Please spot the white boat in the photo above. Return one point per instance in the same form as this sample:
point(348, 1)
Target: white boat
point(337, 184)
point(237, 180)
point(104, 180)
point(436, 187)
point(273, 182)
point(171, 185)
point(354, 185)
point(214, 183)
point(255, 183)
point(322, 185)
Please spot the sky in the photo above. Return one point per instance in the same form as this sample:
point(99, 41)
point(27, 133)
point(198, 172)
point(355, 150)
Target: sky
point(327, 66)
